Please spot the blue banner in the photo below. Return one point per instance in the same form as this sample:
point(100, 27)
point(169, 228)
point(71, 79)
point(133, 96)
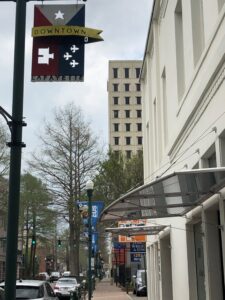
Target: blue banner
point(96, 206)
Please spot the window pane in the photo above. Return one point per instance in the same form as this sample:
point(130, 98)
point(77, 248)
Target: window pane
point(115, 72)
point(138, 100)
point(138, 113)
point(127, 87)
point(115, 87)
point(127, 100)
point(116, 113)
point(126, 72)
point(138, 87)
point(115, 100)
point(138, 70)
point(127, 126)
point(128, 139)
point(127, 113)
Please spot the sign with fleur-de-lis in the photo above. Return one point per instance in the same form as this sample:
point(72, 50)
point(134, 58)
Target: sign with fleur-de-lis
point(59, 35)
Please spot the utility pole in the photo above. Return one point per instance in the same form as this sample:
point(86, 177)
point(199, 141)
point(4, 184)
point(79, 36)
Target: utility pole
point(15, 153)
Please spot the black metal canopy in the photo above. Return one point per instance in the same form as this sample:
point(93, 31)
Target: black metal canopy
point(136, 230)
point(170, 196)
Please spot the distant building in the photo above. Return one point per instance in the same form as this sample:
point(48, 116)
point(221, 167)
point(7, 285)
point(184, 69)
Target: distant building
point(125, 106)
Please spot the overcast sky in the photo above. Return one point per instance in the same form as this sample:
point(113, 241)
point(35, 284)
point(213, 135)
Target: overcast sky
point(124, 24)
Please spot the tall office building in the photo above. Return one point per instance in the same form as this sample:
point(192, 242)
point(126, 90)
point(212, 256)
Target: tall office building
point(124, 106)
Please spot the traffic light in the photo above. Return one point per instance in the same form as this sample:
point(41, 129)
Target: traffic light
point(59, 243)
point(33, 242)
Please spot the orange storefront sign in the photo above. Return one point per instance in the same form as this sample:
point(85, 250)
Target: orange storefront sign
point(133, 238)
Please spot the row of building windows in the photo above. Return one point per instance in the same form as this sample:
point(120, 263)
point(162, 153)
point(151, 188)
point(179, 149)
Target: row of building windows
point(126, 72)
point(127, 140)
point(126, 87)
point(128, 153)
point(127, 113)
point(127, 126)
point(127, 100)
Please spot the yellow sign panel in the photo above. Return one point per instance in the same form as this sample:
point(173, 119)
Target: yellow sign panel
point(133, 238)
point(66, 31)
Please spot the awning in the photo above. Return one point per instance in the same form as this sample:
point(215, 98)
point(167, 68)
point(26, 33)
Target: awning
point(170, 196)
point(136, 230)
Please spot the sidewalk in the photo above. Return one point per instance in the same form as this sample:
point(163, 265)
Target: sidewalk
point(105, 291)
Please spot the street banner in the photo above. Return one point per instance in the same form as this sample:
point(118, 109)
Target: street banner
point(59, 35)
point(96, 206)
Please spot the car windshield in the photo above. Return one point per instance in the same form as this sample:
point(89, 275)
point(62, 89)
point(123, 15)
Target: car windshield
point(66, 281)
point(28, 292)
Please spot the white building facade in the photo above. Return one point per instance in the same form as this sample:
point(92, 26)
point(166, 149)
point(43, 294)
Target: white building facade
point(183, 114)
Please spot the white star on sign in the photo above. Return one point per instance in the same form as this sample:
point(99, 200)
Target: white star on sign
point(59, 15)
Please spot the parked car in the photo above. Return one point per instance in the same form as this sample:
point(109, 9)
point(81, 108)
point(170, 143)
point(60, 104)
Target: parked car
point(54, 276)
point(33, 289)
point(140, 283)
point(64, 286)
point(43, 276)
point(66, 273)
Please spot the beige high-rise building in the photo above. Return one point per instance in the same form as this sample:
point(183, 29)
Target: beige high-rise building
point(124, 106)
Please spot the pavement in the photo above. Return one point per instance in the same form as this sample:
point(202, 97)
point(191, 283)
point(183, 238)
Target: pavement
point(105, 290)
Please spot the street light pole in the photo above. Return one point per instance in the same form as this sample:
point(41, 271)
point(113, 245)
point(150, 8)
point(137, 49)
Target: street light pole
point(89, 188)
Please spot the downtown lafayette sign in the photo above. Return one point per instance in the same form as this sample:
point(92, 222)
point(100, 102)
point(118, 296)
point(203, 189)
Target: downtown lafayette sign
point(59, 35)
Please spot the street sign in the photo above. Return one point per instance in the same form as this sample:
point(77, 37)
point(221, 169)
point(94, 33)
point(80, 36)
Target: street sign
point(59, 35)
point(137, 247)
point(133, 238)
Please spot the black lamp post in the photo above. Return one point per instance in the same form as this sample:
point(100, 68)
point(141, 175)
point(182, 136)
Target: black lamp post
point(89, 188)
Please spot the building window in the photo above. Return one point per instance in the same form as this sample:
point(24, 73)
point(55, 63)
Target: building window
point(126, 72)
point(127, 100)
point(116, 152)
point(116, 114)
point(127, 125)
point(128, 140)
point(197, 29)
point(138, 113)
point(115, 100)
point(179, 49)
point(115, 87)
point(139, 126)
point(127, 113)
point(115, 72)
point(128, 154)
point(138, 99)
point(139, 140)
point(116, 140)
point(138, 71)
point(126, 87)
point(116, 127)
point(138, 87)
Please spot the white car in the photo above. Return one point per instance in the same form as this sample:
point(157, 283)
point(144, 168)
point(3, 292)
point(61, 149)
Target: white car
point(33, 289)
point(65, 285)
point(43, 276)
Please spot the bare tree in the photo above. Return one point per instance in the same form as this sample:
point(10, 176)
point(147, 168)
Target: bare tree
point(4, 151)
point(70, 155)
